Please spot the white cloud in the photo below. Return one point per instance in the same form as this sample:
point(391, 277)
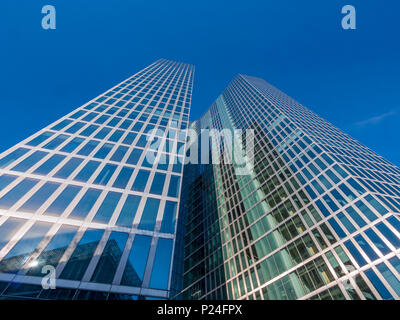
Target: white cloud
point(375, 120)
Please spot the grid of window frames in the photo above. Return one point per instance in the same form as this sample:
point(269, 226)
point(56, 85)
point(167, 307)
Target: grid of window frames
point(96, 194)
point(316, 218)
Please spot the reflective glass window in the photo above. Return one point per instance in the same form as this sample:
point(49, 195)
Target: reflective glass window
point(161, 267)
point(40, 197)
point(149, 214)
point(174, 184)
point(10, 158)
point(136, 264)
point(75, 127)
point(84, 206)
point(49, 165)
point(134, 156)
point(366, 247)
point(18, 255)
point(110, 257)
point(105, 174)
point(5, 180)
point(83, 253)
point(54, 143)
point(119, 153)
point(141, 180)
point(68, 168)
point(87, 171)
point(16, 193)
point(389, 277)
point(72, 145)
point(123, 178)
point(63, 200)
point(169, 217)
point(102, 133)
point(104, 151)
point(39, 139)
point(53, 251)
point(128, 211)
point(8, 229)
point(158, 183)
point(379, 286)
point(88, 148)
point(30, 161)
point(107, 208)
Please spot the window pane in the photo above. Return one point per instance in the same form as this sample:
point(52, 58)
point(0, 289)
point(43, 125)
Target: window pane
point(88, 148)
point(83, 253)
point(390, 277)
point(63, 201)
point(85, 204)
point(5, 180)
point(89, 130)
point(377, 241)
point(128, 211)
point(34, 158)
point(87, 171)
point(18, 255)
point(8, 229)
point(102, 133)
point(123, 178)
point(49, 165)
point(168, 222)
point(76, 127)
point(72, 145)
point(104, 151)
point(141, 181)
point(158, 183)
point(116, 136)
point(134, 156)
point(161, 266)
point(129, 138)
point(136, 264)
point(39, 139)
point(174, 184)
point(61, 125)
point(53, 251)
point(10, 198)
point(149, 214)
point(68, 168)
point(107, 208)
point(43, 194)
point(385, 294)
point(105, 174)
point(53, 144)
point(4, 162)
point(119, 153)
point(109, 260)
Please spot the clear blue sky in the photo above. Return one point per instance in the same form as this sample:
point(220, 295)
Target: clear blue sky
point(349, 77)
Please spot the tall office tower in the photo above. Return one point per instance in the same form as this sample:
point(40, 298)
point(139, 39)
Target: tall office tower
point(315, 217)
point(93, 197)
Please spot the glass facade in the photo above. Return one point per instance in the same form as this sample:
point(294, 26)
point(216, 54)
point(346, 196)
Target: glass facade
point(315, 217)
point(98, 196)
point(83, 196)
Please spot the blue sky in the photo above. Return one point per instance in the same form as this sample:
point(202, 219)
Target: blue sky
point(349, 77)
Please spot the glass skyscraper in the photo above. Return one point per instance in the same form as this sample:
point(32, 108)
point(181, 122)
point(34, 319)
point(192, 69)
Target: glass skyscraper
point(102, 198)
point(95, 195)
point(315, 217)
